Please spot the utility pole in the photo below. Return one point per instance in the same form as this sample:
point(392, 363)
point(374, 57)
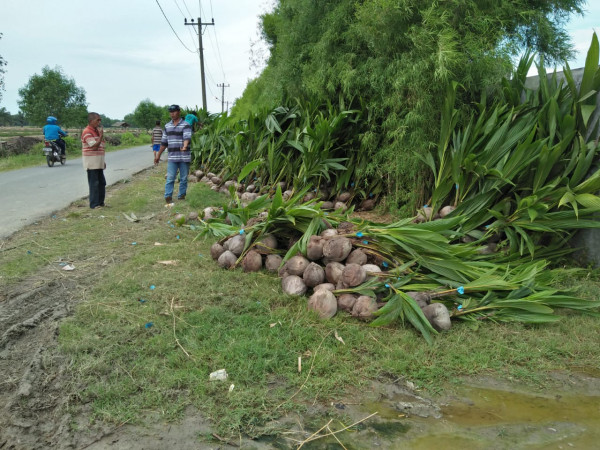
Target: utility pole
point(222, 86)
point(201, 51)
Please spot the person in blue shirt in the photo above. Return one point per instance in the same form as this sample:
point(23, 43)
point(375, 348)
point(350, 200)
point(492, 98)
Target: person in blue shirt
point(192, 119)
point(53, 132)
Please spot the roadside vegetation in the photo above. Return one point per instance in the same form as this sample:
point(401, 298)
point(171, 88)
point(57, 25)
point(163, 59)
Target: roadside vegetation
point(156, 320)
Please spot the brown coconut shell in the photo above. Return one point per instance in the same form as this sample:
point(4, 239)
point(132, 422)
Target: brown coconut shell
point(267, 244)
point(216, 250)
point(421, 298)
point(313, 275)
point(364, 307)
point(347, 301)
point(340, 206)
point(309, 196)
point(193, 215)
point(345, 228)
point(438, 316)
point(199, 174)
point(293, 285)
point(424, 215)
point(252, 262)
point(353, 275)
point(344, 197)
point(371, 269)
point(216, 180)
point(296, 265)
point(324, 302)
point(314, 248)
point(287, 194)
point(446, 210)
point(236, 244)
point(329, 233)
point(337, 249)
point(367, 204)
point(227, 259)
point(333, 272)
point(327, 206)
point(272, 263)
point(357, 256)
point(328, 286)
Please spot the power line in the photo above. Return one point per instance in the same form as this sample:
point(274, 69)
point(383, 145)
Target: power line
point(165, 16)
point(186, 8)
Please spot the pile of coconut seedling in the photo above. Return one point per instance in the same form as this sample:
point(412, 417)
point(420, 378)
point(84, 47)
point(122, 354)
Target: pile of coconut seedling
point(248, 192)
point(336, 262)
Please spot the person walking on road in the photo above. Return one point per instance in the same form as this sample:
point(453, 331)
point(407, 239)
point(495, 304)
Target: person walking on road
point(176, 137)
point(92, 152)
point(157, 133)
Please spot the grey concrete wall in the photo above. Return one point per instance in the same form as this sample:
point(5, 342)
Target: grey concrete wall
point(586, 241)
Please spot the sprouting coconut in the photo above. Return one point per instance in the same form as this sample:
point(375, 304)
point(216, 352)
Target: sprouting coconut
point(327, 206)
point(346, 228)
point(438, 316)
point(192, 178)
point(488, 249)
point(421, 298)
point(367, 204)
point(337, 249)
point(371, 270)
point(357, 257)
point(329, 233)
point(364, 307)
point(313, 275)
point(227, 259)
point(340, 206)
point(328, 286)
point(204, 179)
point(199, 174)
point(446, 210)
point(248, 197)
point(346, 302)
point(293, 285)
point(229, 183)
point(424, 215)
point(210, 175)
point(252, 262)
point(216, 250)
point(272, 263)
point(215, 188)
point(287, 194)
point(296, 265)
point(353, 275)
point(193, 215)
point(309, 196)
point(314, 248)
point(216, 180)
point(250, 188)
point(223, 190)
point(236, 244)
point(333, 272)
point(324, 302)
point(344, 197)
point(267, 243)
point(179, 219)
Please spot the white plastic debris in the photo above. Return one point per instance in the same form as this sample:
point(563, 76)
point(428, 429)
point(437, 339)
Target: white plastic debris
point(219, 375)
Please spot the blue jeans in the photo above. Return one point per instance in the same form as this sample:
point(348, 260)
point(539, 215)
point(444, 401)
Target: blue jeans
point(172, 168)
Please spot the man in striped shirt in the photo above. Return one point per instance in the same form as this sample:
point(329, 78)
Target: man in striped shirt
point(156, 137)
point(92, 152)
point(176, 137)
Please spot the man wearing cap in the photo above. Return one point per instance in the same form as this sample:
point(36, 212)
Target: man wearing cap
point(176, 138)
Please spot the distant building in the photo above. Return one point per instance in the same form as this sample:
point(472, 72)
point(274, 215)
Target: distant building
point(120, 125)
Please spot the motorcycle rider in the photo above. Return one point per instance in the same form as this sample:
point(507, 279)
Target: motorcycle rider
point(53, 132)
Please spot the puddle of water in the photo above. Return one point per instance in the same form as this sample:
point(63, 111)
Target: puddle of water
point(488, 418)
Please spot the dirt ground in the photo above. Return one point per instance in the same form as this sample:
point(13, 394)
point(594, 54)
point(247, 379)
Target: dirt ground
point(40, 407)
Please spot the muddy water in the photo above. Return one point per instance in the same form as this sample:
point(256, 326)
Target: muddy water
point(484, 418)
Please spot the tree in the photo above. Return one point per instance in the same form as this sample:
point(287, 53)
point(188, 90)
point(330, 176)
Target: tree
point(2, 64)
point(5, 117)
point(146, 114)
point(53, 94)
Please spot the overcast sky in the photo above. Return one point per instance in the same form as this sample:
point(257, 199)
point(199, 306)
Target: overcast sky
point(124, 51)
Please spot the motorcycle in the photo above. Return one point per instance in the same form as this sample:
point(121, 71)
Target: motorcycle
point(53, 153)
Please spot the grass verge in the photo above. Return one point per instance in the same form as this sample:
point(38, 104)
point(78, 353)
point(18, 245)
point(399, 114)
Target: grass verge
point(156, 320)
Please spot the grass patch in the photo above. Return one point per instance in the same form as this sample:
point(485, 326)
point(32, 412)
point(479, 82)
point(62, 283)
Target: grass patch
point(136, 349)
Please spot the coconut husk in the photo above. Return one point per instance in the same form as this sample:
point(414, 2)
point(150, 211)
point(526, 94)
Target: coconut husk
point(313, 275)
point(438, 316)
point(324, 302)
point(371, 269)
point(193, 215)
point(272, 263)
point(357, 256)
point(344, 197)
point(446, 210)
point(340, 206)
point(333, 272)
point(314, 248)
point(327, 206)
point(267, 244)
point(216, 250)
point(287, 194)
point(199, 174)
point(309, 196)
point(364, 307)
point(328, 286)
point(337, 248)
point(252, 262)
point(329, 233)
point(296, 265)
point(216, 180)
point(424, 215)
point(192, 178)
point(293, 285)
point(367, 204)
point(250, 188)
point(236, 244)
point(211, 175)
point(346, 228)
point(353, 275)
point(346, 302)
point(227, 260)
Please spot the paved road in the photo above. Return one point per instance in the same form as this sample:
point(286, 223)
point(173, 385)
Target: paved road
point(29, 194)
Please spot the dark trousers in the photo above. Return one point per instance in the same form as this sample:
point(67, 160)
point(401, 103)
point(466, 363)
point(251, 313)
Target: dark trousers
point(97, 184)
